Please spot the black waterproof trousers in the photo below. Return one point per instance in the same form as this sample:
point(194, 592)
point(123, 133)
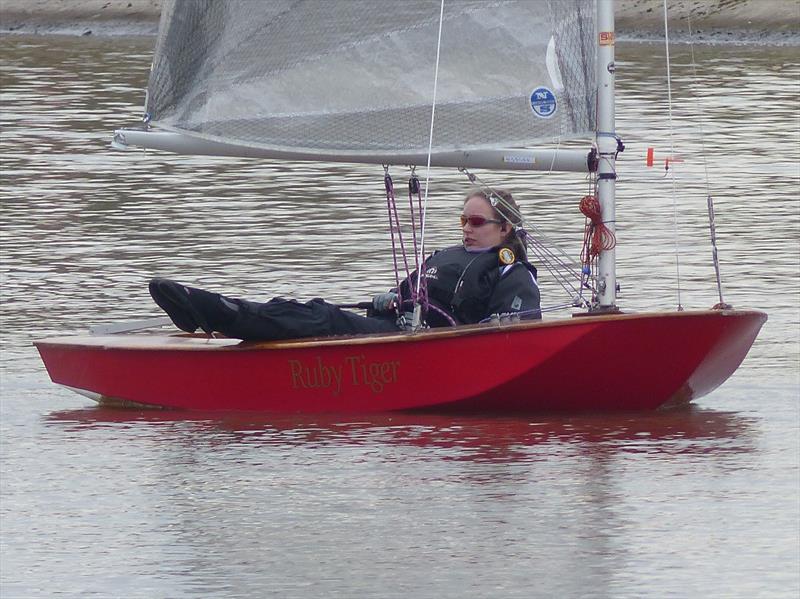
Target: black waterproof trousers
point(289, 319)
point(190, 308)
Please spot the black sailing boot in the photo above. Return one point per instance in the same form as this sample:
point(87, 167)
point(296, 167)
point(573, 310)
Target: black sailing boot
point(189, 307)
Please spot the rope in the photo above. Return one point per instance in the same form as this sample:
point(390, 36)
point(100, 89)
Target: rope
point(672, 156)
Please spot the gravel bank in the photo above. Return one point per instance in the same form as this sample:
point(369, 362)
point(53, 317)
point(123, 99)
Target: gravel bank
point(739, 21)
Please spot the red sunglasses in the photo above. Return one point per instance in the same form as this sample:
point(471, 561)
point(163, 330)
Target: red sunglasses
point(477, 221)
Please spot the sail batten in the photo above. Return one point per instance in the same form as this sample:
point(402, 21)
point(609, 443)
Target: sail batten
point(353, 76)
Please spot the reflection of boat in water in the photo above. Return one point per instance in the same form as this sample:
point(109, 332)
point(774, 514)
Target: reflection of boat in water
point(496, 438)
point(250, 80)
point(569, 494)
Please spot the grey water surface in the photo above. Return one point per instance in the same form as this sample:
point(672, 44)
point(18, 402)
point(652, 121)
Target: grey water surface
point(140, 504)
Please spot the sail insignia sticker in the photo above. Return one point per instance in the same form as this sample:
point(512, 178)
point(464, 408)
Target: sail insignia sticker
point(518, 159)
point(543, 103)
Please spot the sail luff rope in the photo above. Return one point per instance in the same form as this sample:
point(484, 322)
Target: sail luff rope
point(709, 198)
point(671, 158)
point(423, 216)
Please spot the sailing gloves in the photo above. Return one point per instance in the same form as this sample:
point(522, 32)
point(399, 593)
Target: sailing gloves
point(384, 303)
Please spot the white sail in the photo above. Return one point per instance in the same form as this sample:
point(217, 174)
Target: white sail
point(355, 77)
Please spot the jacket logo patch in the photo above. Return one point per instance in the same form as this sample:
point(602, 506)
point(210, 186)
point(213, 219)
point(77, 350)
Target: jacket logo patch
point(506, 256)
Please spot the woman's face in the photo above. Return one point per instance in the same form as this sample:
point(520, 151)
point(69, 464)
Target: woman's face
point(486, 235)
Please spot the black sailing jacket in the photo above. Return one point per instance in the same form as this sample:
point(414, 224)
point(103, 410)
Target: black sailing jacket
point(472, 286)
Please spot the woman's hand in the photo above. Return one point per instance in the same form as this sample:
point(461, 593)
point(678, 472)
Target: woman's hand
point(384, 303)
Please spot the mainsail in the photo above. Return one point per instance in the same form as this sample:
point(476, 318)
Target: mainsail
point(345, 77)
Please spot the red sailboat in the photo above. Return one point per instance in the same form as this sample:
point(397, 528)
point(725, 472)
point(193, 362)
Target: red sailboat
point(215, 100)
point(661, 360)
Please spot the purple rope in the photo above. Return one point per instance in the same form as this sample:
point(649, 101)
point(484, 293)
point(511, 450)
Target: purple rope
point(443, 313)
point(419, 201)
point(394, 223)
point(387, 181)
point(393, 210)
point(422, 299)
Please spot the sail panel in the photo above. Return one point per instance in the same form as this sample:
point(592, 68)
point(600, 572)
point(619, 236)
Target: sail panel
point(356, 76)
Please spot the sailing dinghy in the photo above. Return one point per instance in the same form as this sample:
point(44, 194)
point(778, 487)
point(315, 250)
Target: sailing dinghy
point(343, 81)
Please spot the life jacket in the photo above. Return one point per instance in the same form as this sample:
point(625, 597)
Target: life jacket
point(461, 283)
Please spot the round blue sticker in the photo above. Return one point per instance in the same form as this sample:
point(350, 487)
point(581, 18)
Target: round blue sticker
point(543, 102)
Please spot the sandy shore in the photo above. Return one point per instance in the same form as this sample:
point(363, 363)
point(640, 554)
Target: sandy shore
point(754, 21)
point(80, 17)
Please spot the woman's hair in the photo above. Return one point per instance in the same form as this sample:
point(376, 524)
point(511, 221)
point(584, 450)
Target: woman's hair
point(505, 209)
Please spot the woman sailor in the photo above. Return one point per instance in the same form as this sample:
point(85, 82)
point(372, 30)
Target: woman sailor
point(487, 276)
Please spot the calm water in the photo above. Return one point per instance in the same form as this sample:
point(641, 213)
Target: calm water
point(106, 503)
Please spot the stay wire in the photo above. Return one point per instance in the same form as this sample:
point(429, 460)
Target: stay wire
point(563, 268)
point(423, 216)
point(521, 220)
point(700, 121)
point(672, 156)
point(709, 198)
point(556, 265)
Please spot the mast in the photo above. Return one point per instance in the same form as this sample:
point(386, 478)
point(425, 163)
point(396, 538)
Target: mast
point(607, 148)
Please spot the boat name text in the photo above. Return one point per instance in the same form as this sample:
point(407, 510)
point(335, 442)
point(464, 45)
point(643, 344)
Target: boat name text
point(355, 371)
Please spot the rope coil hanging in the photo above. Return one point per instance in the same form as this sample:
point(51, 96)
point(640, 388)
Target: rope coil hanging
point(597, 236)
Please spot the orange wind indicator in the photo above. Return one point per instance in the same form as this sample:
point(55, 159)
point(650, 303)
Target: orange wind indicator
point(671, 159)
point(650, 160)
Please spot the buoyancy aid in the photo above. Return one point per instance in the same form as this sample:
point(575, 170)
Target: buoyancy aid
point(462, 283)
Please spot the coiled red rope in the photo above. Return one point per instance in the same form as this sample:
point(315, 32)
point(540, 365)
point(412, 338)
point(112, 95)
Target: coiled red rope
point(597, 237)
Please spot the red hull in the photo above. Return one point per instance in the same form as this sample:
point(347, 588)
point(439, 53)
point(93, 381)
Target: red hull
point(648, 361)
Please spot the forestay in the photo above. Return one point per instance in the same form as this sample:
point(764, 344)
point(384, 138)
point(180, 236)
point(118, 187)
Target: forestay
point(345, 77)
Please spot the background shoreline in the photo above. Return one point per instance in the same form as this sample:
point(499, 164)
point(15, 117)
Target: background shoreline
point(769, 22)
